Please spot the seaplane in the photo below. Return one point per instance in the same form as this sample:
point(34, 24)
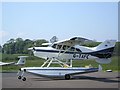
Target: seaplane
point(63, 53)
point(21, 62)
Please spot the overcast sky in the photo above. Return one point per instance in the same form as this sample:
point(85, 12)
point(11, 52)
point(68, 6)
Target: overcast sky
point(38, 20)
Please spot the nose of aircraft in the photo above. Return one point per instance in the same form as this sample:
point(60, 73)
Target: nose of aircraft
point(32, 48)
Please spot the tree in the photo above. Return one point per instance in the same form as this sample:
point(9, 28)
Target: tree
point(27, 44)
point(38, 43)
point(9, 47)
point(20, 46)
point(19, 39)
point(0, 49)
point(11, 41)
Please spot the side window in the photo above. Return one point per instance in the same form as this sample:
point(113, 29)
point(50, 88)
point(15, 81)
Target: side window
point(54, 46)
point(72, 49)
point(78, 50)
point(67, 47)
point(64, 47)
point(59, 46)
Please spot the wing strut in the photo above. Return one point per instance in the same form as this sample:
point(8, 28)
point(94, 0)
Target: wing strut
point(57, 61)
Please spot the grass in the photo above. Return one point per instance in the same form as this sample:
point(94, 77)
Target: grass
point(113, 65)
point(37, 62)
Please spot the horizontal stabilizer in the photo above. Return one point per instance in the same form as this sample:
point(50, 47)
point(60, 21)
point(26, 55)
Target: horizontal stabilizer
point(103, 60)
point(5, 64)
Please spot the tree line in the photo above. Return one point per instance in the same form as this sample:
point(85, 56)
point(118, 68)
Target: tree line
point(20, 46)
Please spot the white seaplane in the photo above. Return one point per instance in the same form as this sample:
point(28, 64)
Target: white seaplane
point(68, 50)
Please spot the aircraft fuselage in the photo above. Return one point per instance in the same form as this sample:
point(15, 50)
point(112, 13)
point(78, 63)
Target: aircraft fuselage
point(49, 52)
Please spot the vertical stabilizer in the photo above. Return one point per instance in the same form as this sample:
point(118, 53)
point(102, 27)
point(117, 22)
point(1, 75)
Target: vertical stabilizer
point(22, 60)
point(105, 45)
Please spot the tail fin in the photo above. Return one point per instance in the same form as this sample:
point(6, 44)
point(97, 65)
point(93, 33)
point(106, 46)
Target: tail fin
point(104, 51)
point(22, 60)
point(105, 45)
point(103, 60)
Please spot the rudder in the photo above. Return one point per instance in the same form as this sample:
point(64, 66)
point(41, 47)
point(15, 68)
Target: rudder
point(105, 45)
point(22, 60)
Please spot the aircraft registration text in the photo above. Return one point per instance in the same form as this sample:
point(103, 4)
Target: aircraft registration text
point(82, 56)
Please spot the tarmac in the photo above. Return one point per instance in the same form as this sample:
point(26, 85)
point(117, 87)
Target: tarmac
point(91, 80)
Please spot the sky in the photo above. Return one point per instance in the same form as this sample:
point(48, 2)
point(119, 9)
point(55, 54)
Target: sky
point(42, 20)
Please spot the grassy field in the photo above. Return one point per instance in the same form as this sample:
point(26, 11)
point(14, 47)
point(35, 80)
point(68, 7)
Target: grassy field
point(37, 62)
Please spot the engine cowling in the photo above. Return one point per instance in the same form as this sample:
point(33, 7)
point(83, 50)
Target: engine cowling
point(103, 60)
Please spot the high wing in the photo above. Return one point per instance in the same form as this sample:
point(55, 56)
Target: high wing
point(4, 64)
point(72, 41)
